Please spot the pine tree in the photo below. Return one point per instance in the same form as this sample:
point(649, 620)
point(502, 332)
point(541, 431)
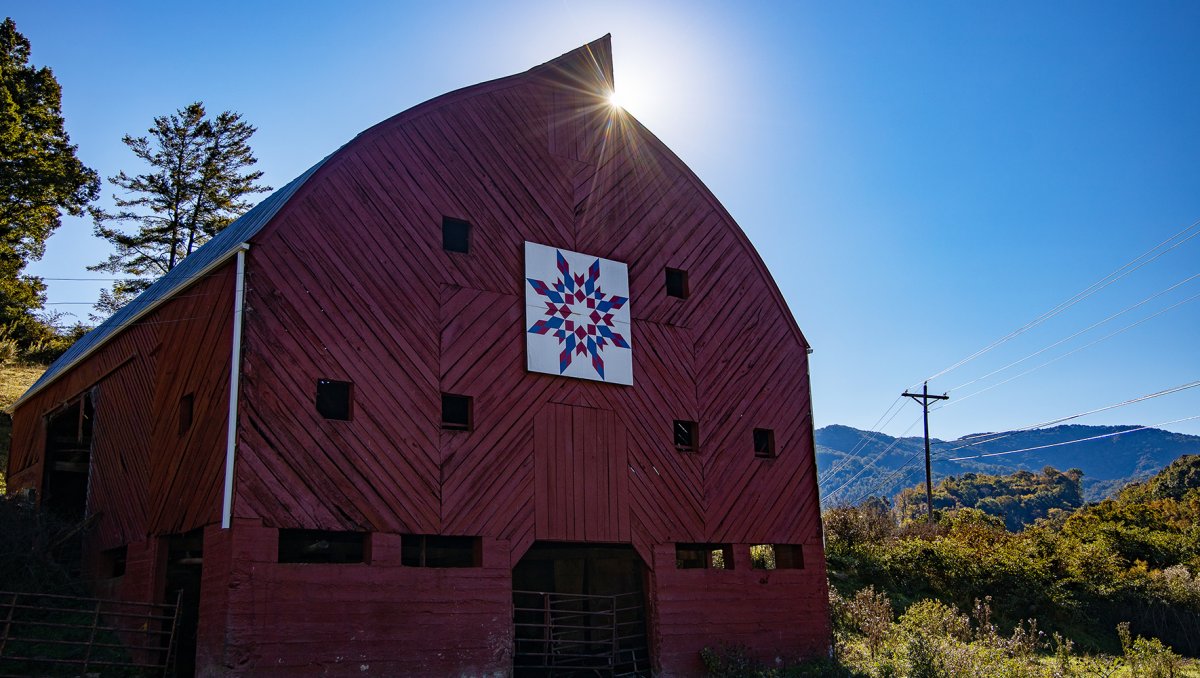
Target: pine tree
point(40, 178)
point(198, 181)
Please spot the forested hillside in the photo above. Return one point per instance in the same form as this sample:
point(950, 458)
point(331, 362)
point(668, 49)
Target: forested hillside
point(1018, 499)
point(853, 464)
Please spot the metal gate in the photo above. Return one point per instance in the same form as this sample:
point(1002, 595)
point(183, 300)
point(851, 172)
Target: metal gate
point(50, 635)
point(563, 634)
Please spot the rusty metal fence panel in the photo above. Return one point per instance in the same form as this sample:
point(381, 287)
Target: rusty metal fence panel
point(560, 634)
point(52, 635)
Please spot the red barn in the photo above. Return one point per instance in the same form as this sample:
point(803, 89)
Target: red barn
point(496, 388)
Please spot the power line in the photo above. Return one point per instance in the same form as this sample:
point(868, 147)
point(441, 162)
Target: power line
point(1087, 329)
point(1073, 351)
point(1072, 442)
point(862, 442)
point(1135, 264)
point(890, 478)
point(998, 436)
point(871, 463)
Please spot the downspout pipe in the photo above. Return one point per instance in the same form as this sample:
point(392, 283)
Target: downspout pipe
point(235, 371)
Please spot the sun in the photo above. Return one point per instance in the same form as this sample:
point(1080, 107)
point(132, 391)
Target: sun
point(614, 99)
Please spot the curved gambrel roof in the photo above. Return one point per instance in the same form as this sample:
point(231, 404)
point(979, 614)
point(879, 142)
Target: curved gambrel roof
point(587, 70)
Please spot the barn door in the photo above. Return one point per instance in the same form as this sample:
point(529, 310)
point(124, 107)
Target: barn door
point(579, 610)
point(581, 475)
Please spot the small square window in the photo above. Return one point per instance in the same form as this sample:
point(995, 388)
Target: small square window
point(456, 235)
point(687, 435)
point(677, 283)
point(185, 412)
point(333, 399)
point(764, 443)
point(456, 412)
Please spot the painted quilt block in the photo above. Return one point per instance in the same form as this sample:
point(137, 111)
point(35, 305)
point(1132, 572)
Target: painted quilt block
point(577, 315)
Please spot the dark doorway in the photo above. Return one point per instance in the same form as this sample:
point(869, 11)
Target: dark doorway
point(185, 559)
point(68, 459)
point(579, 610)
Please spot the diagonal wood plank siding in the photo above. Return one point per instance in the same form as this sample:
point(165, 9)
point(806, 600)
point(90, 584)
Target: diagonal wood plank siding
point(146, 477)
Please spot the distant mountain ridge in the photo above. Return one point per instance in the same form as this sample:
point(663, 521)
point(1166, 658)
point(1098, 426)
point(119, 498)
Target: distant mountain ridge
point(1108, 463)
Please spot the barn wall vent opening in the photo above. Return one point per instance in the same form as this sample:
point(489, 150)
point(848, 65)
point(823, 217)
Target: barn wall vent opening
point(434, 550)
point(764, 443)
point(456, 235)
point(112, 562)
point(677, 283)
point(687, 435)
point(704, 556)
point(333, 399)
point(322, 546)
point(777, 557)
point(186, 404)
point(456, 412)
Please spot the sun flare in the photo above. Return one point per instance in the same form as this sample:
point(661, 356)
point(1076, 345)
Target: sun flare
point(614, 99)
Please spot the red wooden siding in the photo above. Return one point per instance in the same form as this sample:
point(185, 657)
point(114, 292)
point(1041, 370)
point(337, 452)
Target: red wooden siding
point(780, 614)
point(146, 478)
point(376, 619)
point(581, 476)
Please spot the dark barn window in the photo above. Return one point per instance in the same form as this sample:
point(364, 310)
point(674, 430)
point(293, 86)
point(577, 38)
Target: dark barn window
point(456, 235)
point(113, 561)
point(764, 443)
point(703, 556)
point(687, 435)
point(777, 556)
point(456, 412)
point(185, 412)
point(677, 283)
point(333, 399)
point(321, 546)
point(433, 550)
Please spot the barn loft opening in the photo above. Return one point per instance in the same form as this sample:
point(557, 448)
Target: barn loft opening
point(677, 283)
point(687, 435)
point(321, 546)
point(68, 459)
point(333, 399)
point(764, 443)
point(456, 412)
point(456, 235)
point(435, 550)
point(579, 610)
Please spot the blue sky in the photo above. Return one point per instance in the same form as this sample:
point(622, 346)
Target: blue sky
point(921, 178)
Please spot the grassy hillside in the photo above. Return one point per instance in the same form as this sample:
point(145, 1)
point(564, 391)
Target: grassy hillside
point(14, 380)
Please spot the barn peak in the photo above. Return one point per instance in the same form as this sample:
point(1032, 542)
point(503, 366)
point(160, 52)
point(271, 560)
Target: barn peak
point(588, 67)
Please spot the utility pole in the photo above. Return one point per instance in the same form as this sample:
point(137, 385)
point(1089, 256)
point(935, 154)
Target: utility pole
point(923, 397)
